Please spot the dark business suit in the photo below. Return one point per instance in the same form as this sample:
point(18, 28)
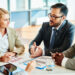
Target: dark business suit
point(63, 39)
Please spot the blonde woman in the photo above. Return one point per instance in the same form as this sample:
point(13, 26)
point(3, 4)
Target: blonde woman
point(9, 40)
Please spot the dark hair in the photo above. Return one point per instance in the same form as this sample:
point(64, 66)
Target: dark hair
point(63, 8)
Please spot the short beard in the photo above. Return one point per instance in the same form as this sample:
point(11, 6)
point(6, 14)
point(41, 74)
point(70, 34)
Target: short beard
point(56, 24)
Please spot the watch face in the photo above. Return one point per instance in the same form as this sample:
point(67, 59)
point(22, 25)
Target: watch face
point(10, 67)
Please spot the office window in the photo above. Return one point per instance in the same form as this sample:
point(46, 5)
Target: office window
point(37, 14)
point(20, 18)
point(30, 11)
point(18, 5)
point(63, 1)
point(51, 2)
point(38, 4)
point(21, 4)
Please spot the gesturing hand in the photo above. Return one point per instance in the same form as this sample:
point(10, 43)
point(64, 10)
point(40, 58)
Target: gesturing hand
point(33, 48)
point(38, 52)
point(58, 57)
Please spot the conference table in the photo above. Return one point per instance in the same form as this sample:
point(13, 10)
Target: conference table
point(57, 70)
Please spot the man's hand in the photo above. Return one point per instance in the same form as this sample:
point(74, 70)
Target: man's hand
point(31, 65)
point(33, 48)
point(58, 57)
point(38, 52)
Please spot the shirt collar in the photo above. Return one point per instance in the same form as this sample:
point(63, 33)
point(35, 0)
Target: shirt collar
point(5, 34)
point(60, 26)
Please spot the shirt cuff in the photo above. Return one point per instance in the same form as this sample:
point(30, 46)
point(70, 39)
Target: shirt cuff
point(64, 61)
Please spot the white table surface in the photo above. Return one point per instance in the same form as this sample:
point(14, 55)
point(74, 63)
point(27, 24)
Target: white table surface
point(56, 71)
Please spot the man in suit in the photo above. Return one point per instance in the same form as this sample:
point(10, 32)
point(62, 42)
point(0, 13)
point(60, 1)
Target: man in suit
point(57, 35)
point(66, 59)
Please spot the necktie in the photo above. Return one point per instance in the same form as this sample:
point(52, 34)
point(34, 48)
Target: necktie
point(52, 38)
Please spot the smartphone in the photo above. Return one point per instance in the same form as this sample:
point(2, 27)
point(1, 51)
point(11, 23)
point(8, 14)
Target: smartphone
point(10, 67)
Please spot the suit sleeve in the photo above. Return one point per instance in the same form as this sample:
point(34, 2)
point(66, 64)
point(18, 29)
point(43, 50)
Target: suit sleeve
point(68, 41)
point(38, 38)
point(70, 54)
point(70, 64)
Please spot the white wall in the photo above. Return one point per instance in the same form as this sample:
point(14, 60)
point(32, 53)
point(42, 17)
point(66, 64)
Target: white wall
point(71, 7)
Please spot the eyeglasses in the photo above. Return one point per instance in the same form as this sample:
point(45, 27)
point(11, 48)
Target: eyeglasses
point(54, 17)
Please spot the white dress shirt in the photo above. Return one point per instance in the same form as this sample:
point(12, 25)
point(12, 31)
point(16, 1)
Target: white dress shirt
point(3, 44)
point(64, 61)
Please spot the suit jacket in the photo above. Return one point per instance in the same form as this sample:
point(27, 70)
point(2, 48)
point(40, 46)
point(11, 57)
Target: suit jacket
point(14, 42)
point(63, 39)
point(70, 54)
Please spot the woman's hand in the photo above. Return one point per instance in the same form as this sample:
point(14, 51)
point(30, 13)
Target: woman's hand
point(4, 59)
point(9, 54)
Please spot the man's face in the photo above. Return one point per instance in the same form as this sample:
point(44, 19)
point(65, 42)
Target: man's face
point(56, 17)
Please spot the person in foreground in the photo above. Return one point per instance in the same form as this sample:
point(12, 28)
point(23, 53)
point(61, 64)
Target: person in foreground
point(57, 34)
point(66, 59)
point(8, 39)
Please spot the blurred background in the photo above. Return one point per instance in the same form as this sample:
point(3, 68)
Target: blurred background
point(33, 12)
point(27, 16)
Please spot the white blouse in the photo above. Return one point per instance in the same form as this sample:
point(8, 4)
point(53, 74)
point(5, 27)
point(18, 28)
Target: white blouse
point(3, 44)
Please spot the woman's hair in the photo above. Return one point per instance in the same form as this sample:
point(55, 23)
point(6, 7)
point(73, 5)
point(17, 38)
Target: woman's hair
point(3, 11)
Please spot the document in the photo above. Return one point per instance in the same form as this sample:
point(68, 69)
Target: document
point(41, 61)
